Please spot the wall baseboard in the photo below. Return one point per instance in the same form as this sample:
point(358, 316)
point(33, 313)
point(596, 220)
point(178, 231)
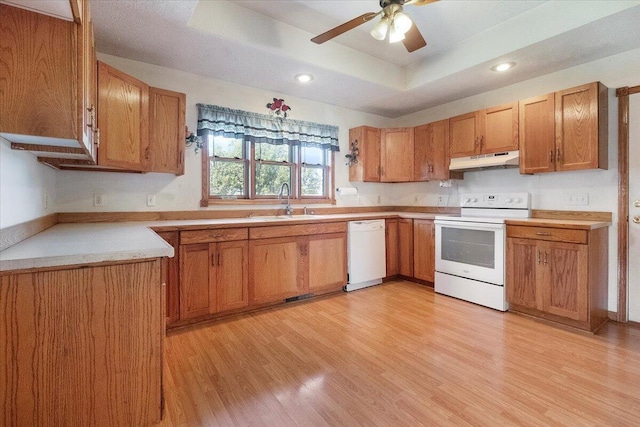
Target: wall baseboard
point(16, 233)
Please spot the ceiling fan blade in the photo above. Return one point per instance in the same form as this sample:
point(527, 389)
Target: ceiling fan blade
point(419, 2)
point(413, 40)
point(349, 25)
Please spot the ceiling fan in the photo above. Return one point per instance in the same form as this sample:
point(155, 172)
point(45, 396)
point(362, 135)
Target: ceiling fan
point(394, 23)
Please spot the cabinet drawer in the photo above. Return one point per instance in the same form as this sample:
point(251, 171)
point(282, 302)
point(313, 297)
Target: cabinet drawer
point(298, 230)
point(214, 235)
point(546, 233)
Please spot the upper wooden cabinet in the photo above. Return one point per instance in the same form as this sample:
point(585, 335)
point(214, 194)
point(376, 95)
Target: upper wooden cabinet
point(47, 83)
point(566, 130)
point(368, 166)
point(431, 152)
point(166, 130)
point(123, 119)
point(491, 130)
point(396, 155)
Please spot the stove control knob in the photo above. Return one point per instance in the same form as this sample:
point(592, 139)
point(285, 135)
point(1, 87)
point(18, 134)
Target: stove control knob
point(474, 200)
point(516, 200)
point(467, 200)
point(508, 200)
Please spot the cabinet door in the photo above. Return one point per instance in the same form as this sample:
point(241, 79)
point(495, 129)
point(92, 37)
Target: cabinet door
point(166, 131)
point(391, 245)
point(464, 135)
point(123, 116)
point(172, 274)
point(396, 155)
point(537, 134)
point(231, 276)
point(405, 247)
point(197, 296)
point(87, 78)
point(522, 272)
point(38, 84)
point(368, 166)
point(577, 128)
point(564, 286)
point(327, 255)
point(439, 151)
point(276, 269)
point(422, 161)
point(423, 249)
point(500, 129)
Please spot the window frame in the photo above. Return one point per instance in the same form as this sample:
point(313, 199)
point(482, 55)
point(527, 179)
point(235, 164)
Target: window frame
point(250, 197)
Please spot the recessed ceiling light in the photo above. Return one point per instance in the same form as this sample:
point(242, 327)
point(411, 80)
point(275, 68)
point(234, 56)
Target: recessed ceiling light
point(304, 78)
point(503, 66)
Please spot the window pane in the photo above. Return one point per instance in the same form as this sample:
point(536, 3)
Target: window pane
point(226, 147)
point(269, 179)
point(227, 178)
point(274, 153)
point(312, 181)
point(312, 155)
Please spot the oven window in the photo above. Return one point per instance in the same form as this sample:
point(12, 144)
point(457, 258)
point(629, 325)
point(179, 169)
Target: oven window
point(472, 247)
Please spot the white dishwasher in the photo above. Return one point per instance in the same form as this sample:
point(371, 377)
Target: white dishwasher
point(367, 262)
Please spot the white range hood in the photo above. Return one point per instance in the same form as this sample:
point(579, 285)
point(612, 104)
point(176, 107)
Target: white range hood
point(482, 161)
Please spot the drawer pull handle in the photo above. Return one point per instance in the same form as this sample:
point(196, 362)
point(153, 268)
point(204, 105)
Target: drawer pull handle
point(538, 257)
point(540, 233)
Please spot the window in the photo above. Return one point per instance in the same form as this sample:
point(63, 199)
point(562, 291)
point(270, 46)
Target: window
point(247, 157)
point(236, 174)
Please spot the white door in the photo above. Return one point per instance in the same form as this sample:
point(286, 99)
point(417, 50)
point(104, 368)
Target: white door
point(634, 208)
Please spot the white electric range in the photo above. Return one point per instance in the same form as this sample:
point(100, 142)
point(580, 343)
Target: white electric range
point(471, 248)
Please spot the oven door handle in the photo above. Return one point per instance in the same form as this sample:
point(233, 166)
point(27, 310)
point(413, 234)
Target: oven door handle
point(470, 225)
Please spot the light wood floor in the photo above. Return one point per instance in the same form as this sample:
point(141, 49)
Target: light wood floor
point(399, 355)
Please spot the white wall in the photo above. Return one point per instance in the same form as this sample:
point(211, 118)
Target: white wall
point(24, 183)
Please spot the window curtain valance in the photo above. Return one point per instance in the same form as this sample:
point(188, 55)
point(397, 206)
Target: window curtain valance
point(263, 128)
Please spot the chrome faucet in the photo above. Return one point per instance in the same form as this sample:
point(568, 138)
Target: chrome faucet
point(287, 210)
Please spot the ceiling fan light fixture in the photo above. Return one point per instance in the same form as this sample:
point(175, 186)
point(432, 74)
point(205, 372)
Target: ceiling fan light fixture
point(395, 35)
point(379, 31)
point(402, 22)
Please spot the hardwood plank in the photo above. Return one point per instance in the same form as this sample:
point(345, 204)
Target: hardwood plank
point(399, 354)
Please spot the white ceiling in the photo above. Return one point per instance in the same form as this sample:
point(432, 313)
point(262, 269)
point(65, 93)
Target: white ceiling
point(266, 43)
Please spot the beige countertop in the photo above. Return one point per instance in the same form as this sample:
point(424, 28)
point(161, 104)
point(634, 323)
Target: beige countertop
point(89, 243)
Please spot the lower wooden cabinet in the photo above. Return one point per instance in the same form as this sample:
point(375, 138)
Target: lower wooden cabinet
point(391, 246)
point(213, 278)
point(82, 346)
point(405, 247)
point(171, 274)
point(558, 274)
point(286, 267)
point(423, 249)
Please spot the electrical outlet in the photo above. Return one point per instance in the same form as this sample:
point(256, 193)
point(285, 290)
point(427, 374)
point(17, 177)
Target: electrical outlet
point(98, 200)
point(415, 199)
point(379, 199)
point(151, 200)
point(440, 200)
point(578, 199)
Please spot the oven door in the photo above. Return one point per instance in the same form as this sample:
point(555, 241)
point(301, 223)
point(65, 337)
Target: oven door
point(471, 250)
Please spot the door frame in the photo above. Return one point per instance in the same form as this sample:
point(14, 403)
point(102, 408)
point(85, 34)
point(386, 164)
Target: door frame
point(623, 200)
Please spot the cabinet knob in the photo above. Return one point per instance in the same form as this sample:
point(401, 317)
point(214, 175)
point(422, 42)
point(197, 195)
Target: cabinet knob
point(636, 219)
point(636, 204)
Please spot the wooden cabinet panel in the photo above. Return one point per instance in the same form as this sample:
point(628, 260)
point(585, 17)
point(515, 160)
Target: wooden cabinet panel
point(561, 281)
point(464, 134)
point(368, 166)
point(405, 247)
point(297, 230)
point(548, 233)
point(537, 134)
point(391, 245)
point(41, 79)
point(431, 152)
point(580, 132)
point(522, 275)
point(166, 130)
point(276, 269)
point(327, 255)
point(197, 296)
point(396, 155)
point(82, 346)
point(423, 249)
point(213, 235)
point(123, 119)
point(565, 286)
point(231, 275)
point(500, 129)
point(172, 274)
point(422, 162)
